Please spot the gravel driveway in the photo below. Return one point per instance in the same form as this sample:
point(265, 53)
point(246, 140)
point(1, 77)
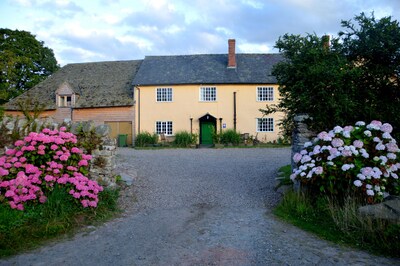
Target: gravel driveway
point(199, 207)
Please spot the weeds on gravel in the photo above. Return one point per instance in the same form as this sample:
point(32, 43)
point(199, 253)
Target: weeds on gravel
point(43, 222)
point(340, 223)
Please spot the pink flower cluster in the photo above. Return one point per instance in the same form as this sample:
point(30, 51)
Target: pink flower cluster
point(42, 160)
point(370, 161)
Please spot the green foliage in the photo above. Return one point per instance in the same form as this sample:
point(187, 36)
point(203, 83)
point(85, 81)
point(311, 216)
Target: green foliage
point(59, 215)
point(216, 137)
point(24, 62)
point(355, 78)
point(230, 136)
point(340, 223)
point(184, 139)
point(284, 176)
point(145, 138)
point(87, 137)
point(31, 109)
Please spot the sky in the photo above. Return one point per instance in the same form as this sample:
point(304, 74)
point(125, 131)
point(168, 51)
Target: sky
point(107, 30)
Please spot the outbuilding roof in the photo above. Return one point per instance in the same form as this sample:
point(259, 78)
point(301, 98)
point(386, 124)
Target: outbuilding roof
point(98, 84)
point(207, 69)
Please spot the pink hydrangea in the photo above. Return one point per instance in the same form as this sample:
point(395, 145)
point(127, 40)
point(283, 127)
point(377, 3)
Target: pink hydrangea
point(86, 157)
point(10, 152)
point(54, 147)
point(31, 181)
point(64, 157)
point(3, 172)
point(75, 150)
point(82, 163)
point(19, 143)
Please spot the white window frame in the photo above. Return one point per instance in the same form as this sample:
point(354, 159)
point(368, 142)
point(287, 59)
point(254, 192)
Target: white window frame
point(63, 100)
point(164, 127)
point(164, 95)
point(265, 94)
point(265, 124)
point(208, 94)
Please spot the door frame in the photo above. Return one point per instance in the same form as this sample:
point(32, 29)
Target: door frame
point(207, 118)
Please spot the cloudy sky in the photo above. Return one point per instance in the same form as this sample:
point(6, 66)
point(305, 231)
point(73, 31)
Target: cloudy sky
point(102, 30)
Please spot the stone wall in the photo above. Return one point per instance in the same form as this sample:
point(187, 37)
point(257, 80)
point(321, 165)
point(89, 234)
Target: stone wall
point(102, 167)
point(301, 134)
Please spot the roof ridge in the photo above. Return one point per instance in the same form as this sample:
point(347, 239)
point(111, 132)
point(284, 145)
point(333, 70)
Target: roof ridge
point(153, 56)
point(102, 62)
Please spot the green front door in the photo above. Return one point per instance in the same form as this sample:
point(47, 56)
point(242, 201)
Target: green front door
point(206, 132)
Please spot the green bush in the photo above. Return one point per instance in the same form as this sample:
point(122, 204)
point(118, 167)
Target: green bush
point(230, 136)
point(145, 138)
point(184, 139)
point(340, 223)
point(20, 231)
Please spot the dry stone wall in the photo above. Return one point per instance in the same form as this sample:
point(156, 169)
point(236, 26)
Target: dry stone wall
point(301, 134)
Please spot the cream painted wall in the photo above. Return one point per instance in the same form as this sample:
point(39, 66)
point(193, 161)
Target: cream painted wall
point(185, 104)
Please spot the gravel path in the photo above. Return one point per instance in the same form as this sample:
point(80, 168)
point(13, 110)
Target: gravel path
point(199, 207)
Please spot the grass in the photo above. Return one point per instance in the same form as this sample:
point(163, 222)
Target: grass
point(59, 216)
point(340, 223)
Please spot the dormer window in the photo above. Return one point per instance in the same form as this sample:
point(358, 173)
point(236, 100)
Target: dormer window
point(65, 100)
point(65, 96)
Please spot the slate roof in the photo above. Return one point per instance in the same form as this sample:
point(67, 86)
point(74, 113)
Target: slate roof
point(99, 84)
point(207, 69)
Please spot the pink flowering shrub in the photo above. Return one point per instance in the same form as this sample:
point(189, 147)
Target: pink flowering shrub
point(42, 161)
point(364, 159)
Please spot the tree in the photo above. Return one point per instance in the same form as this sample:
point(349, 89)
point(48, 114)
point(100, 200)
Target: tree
point(355, 77)
point(24, 62)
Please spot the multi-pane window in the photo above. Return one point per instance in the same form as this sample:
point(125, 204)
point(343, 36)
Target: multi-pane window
point(164, 127)
point(208, 94)
point(265, 124)
point(265, 94)
point(65, 100)
point(164, 94)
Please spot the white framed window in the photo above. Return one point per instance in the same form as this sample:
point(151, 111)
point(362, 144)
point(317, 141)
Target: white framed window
point(265, 94)
point(65, 100)
point(164, 127)
point(164, 94)
point(208, 94)
point(265, 124)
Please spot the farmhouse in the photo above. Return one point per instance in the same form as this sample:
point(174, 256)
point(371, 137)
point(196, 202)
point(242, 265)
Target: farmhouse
point(166, 94)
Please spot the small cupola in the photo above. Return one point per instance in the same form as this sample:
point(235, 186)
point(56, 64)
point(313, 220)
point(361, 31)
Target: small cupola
point(65, 95)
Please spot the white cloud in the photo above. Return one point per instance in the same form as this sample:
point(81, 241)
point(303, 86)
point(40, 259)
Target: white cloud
point(254, 48)
point(130, 29)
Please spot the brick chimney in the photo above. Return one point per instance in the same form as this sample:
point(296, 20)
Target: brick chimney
point(231, 53)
